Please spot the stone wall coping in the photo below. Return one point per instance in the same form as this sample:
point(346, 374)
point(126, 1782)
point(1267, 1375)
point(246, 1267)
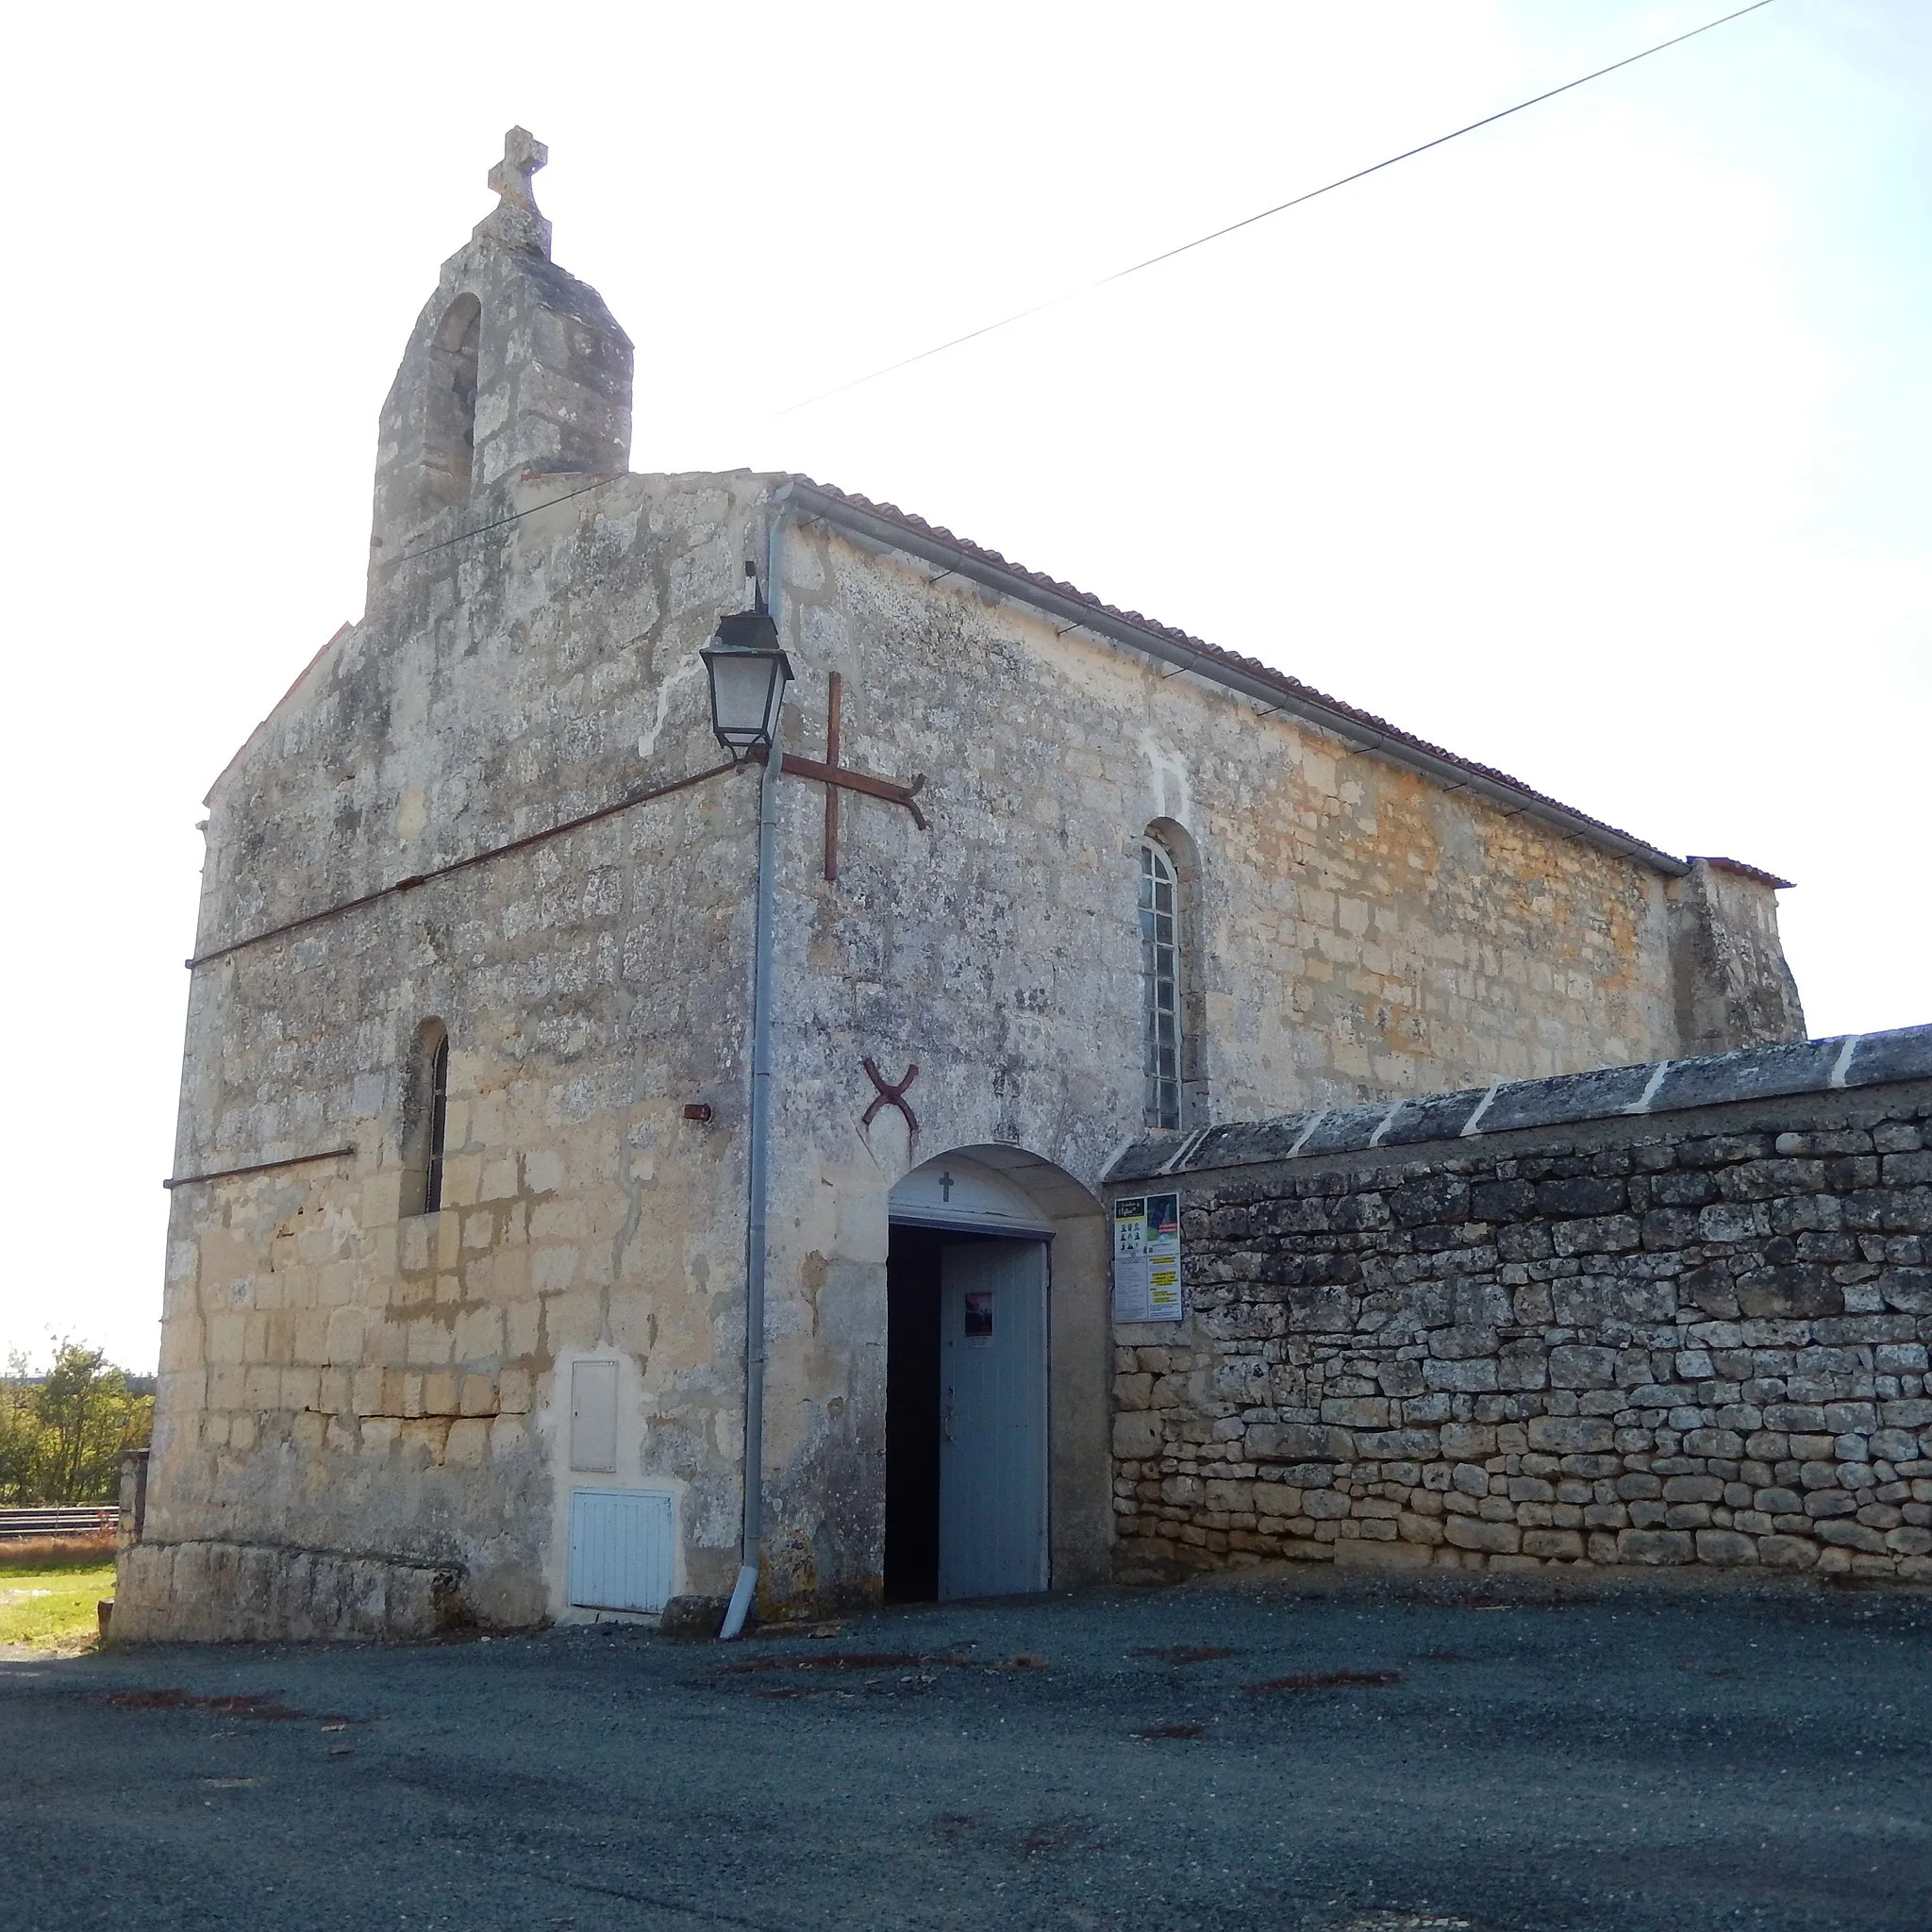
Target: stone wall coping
point(1664, 1086)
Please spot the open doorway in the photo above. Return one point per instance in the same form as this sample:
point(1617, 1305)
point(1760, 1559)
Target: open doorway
point(966, 1414)
point(912, 1416)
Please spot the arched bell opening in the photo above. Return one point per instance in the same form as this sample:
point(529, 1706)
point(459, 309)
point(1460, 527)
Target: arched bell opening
point(449, 427)
point(997, 1478)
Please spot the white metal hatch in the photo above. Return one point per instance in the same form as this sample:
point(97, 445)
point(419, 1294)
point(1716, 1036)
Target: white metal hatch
point(622, 1549)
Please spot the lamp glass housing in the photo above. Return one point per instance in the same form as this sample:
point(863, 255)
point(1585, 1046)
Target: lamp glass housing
point(748, 673)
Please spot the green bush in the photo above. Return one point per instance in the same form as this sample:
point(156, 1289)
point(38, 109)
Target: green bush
point(62, 1435)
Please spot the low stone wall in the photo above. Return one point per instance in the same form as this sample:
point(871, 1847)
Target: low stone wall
point(208, 1593)
point(1697, 1336)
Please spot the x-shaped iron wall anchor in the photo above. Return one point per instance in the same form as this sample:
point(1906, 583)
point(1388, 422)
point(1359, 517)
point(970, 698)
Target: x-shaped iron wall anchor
point(890, 1095)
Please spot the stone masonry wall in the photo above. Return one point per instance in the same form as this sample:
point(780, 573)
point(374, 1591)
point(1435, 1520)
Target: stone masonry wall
point(1699, 1338)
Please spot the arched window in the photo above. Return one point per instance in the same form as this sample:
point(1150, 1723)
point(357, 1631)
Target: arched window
point(1161, 987)
point(449, 429)
point(425, 1106)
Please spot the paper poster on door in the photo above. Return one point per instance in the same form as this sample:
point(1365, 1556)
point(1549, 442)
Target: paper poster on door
point(1147, 1260)
point(978, 1323)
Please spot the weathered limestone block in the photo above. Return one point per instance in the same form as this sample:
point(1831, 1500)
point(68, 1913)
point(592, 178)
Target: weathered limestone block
point(1298, 1442)
point(207, 1591)
point(1473, 1533)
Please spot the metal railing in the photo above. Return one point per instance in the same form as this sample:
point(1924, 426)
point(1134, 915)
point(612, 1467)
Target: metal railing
point(90, 1520)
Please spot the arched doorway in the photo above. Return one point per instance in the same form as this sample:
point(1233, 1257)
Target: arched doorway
point(980, 1316)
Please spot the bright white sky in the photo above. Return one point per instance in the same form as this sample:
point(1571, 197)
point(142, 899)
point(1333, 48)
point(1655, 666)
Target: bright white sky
point(1592, 446)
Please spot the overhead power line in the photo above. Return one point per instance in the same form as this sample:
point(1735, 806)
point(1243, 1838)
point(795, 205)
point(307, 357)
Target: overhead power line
point(1249, 220)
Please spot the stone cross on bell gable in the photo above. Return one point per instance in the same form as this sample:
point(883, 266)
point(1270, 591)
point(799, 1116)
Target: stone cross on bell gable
point(515, 222)
point(522, 154)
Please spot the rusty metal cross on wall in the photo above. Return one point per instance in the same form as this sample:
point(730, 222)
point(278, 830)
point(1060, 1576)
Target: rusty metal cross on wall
point(833, 775)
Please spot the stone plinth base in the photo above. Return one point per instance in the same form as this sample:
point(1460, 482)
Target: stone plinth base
point(223, 1592)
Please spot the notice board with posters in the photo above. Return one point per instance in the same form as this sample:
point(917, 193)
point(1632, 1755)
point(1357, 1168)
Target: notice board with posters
point(1147, 1258)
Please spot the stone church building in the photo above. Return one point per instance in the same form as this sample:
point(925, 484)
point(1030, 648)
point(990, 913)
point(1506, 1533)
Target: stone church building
point(456, 1319)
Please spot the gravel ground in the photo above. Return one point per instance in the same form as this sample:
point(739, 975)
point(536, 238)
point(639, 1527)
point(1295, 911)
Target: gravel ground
point(1296, 1754)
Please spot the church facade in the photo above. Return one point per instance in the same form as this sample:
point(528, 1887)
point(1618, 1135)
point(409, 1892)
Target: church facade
point(457, 1283)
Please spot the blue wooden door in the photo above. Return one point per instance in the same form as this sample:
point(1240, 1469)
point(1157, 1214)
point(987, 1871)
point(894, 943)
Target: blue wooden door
point(992, 1419)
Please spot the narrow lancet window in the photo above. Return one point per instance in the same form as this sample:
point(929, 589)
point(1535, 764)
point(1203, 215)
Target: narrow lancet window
point(426, 1106)
point(438, 1108)
point(1160, 985)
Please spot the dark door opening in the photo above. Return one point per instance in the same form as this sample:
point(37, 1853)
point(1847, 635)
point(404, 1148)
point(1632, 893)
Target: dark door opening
point(965, 1414)
point(913, 1415)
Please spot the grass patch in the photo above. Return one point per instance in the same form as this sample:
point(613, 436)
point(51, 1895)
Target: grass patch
point(49, 1602)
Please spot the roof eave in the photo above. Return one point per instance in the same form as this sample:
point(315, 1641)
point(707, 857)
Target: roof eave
point(1078, 615)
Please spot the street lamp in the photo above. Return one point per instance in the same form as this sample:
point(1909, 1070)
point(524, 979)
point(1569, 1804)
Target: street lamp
point(748, 673)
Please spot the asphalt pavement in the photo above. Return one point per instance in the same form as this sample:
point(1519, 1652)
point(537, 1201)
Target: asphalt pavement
point(1300, 1753)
